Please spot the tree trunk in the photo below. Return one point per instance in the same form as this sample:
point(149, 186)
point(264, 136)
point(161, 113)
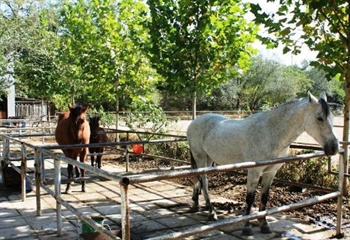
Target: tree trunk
point(116, 109)
point(194, 105)
point(346, 125)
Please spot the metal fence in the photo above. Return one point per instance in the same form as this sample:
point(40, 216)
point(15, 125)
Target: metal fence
point(11, 141)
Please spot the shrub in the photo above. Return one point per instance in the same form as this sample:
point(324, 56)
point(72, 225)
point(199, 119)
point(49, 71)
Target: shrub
point(313, 171)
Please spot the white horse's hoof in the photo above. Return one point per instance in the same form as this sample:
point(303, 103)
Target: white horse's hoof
point(195, 209)
point(213, 217)
point(265, 229)
point(247, 231)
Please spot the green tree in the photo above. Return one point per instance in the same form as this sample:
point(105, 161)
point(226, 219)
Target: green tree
point(196, 45)
point(323, 27)
point(225, 97)
point(268, 83)
point(25, 41)
point(100, 52)
point(320, 84)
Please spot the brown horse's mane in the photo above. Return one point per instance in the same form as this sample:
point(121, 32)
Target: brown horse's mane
point(63, 116)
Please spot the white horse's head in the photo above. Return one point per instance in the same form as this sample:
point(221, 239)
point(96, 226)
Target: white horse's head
point(319, 124)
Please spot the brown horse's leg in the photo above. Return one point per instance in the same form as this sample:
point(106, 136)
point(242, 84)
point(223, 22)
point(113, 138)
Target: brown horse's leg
point(70, 177)
point(83, 156)
point(92, 158)
point(77, 172)
point(99, 158)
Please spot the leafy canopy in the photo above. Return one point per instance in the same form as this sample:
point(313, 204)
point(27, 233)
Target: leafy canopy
point(196, 45)
point(322, 25)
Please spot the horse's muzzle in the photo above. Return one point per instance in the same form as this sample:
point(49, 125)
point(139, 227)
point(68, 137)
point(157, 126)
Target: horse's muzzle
point(331, 147)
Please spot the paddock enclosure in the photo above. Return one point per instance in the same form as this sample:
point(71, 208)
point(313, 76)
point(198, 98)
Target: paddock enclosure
point(33, 154)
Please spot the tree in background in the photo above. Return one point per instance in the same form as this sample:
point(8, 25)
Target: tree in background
point(320, 84)
point(324, 27)
point(197, 45)
point(267, 83)
point(98, 53)
point(26, 44)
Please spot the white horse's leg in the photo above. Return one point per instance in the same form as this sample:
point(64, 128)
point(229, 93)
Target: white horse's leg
point(266, 181)
point(252, 184)
point(196, 191)
point(196, 186)
point(199, 160)
point(212, 213)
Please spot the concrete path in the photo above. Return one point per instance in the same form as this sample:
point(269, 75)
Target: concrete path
point(157, 208)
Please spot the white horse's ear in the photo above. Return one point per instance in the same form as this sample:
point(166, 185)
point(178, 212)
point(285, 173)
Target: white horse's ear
point(323, 96)
point(312, 98)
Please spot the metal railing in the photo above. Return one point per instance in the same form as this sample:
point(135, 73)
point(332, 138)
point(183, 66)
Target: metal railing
point(125, 180)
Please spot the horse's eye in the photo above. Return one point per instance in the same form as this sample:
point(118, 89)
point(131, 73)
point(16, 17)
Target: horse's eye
point(80, 121)
point(320, 119)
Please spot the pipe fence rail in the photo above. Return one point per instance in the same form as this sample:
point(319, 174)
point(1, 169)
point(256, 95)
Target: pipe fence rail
point(40, 153)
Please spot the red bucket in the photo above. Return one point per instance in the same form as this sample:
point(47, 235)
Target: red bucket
point(137, 148)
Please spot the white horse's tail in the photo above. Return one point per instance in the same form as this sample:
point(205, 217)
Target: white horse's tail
point(193, 162)
point(197, 180)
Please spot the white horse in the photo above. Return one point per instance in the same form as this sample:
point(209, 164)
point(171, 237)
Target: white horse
point(219, 139)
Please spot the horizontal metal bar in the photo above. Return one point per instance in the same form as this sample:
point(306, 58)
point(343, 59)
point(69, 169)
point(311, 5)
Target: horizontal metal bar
point(230, 221)
point(87, 167)
point(156, 171)
point(163, 158)
point(143, 132)
point(74, 179)
point(124, 143)
point(306, 146)
point(222, 168)
point(23, 135)
point(19, 171)
point(81, 216)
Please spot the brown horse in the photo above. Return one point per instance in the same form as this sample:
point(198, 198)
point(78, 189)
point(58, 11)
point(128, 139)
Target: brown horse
point(72, 128)
point(98, 135)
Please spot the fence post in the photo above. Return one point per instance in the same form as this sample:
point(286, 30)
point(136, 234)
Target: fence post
point(6, 150)
point(37, 180)
point(57, 164)
point(125, 210)
point(5, 156)
point(341, 179)
point(127, 155)
point(42, 167)
point(24, 172)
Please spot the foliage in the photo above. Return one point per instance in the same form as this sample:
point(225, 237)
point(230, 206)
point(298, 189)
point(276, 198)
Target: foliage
point(313, 172)
point(225, 97)
point(26, 43)
point(318, 24)
point(177, 150)
point(147, 116)
point(100, 52)
point(320, 84)
point(197, 45)
point(323, 27)
point(266, 83)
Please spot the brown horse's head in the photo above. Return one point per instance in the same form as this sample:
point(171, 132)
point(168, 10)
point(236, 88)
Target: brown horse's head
point(77, 115)
point(79, 127)
point(94, 123)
